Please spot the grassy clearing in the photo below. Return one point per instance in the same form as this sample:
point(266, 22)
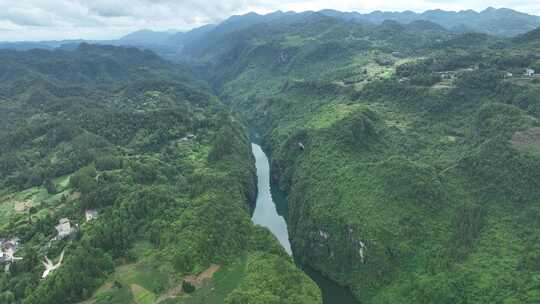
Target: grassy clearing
point(330, 115)
point(145, 275)
point(223, 283)
point(62, 183)
point(142, 250)
point(296, 40)
point(139, 283)
point(142, 284)
point(20, 202)
point(113, 295)
point(134, 283)
point(142, 295)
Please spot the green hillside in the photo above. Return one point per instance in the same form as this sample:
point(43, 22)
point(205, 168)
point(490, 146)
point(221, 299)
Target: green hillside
point(409, 155)
point(165, 165)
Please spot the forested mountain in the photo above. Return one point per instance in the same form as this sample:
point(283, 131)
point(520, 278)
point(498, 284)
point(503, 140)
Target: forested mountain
point(147, 37)
point(409, 152)
point(499, 22)
point(407, 147)
point(124, 136)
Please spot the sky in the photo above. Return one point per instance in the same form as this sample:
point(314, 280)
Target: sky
point(30, 20)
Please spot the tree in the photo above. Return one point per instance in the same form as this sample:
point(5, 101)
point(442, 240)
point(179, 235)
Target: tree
point(183, 261)
point(187, 287)
point(50, 186)
point(223, 143)
point(108, 162)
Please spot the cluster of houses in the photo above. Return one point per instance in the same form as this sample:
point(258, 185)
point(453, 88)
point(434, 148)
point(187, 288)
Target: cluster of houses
point(65, 229)
point(528, 73)
point(452, 74)
point(8, 248)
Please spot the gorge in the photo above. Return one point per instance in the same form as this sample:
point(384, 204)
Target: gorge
point(267, 215)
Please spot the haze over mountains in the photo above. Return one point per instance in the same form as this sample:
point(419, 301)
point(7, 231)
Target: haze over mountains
point(499, 22)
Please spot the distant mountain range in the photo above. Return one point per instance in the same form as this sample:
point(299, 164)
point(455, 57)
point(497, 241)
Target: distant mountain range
point(148, 37)
point(499, 22)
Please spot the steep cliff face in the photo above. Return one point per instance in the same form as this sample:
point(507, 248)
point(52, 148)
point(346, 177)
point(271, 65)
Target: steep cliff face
point(357, 213)
point(396, 204)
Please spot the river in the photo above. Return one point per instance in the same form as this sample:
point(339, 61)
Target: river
point(271, 211)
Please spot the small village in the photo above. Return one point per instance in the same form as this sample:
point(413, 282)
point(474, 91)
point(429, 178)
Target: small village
point(64, 229)
point(450, 75)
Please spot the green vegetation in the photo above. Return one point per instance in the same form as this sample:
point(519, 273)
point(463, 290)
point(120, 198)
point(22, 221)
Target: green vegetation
point(224, 281)
point(166, 166)
point(408, 153)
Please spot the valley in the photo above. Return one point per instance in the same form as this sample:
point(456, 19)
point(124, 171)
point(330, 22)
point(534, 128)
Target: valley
point(267, 214)
point(135, 181)
point(386, 173)
point(288, 158)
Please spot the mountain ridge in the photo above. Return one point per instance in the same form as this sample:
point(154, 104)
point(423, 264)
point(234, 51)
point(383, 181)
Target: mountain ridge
point(520, 23)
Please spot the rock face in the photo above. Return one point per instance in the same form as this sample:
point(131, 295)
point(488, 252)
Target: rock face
point(336, 251)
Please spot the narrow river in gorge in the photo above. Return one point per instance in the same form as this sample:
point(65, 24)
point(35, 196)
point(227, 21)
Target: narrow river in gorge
point(271, 211)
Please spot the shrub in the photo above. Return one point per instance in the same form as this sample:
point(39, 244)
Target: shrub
point(187, 287)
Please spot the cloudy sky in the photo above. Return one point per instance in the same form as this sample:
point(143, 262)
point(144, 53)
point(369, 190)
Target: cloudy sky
point(108, 19)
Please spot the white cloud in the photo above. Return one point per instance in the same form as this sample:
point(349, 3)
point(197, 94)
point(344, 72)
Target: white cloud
point(104, 19)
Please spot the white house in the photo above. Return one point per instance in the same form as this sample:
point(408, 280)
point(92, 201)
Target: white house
point(8, 249)
point(90, 215)
point(64, 228)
